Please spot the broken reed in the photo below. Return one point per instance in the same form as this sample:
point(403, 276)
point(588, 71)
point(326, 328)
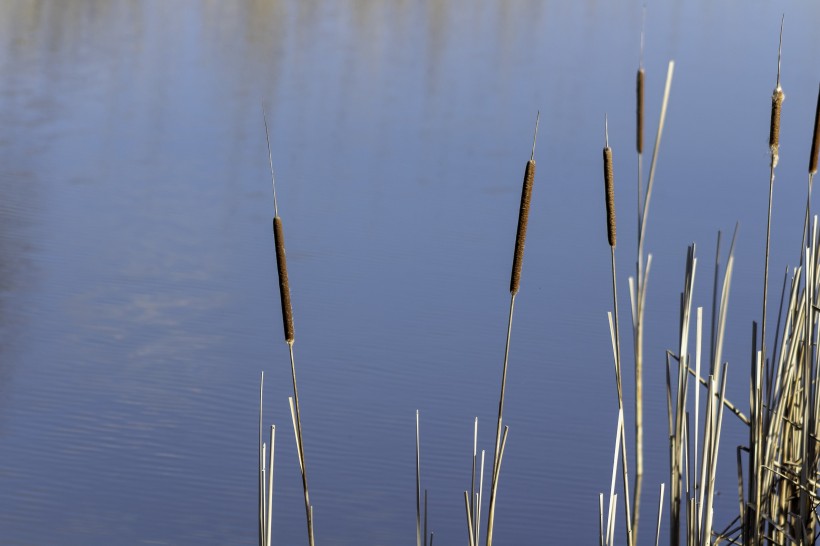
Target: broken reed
point(287, 322)
point(515, 283)
point(265, 500)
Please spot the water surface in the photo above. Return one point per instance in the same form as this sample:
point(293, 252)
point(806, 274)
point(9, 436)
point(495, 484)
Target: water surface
point(138, 300)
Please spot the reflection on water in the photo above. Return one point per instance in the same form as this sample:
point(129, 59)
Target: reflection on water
point(137, 286)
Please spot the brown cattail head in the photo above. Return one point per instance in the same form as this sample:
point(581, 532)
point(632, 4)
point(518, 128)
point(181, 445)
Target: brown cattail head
point(609, 189)
point(774, 130)
point(521, 234)
point(284, 287)
point(815, 141)
point(639, 92)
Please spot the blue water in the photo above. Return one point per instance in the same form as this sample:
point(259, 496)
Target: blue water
point(138, 297)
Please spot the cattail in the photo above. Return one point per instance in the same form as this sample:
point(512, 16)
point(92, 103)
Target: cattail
point(284, 287)
point(777, 105)
point(639, 93)
point(521, 234)
point(774, 130)
point(815, 141)
point(609, 188)
point(523, 215)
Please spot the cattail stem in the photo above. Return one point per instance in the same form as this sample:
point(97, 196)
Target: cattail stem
point(498, 434)
point(515, 281)
point(418, 483)
point(774, 144)
point(261, 468)
point(300, 447)
point(287, 322)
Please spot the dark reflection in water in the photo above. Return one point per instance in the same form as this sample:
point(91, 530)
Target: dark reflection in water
point(137, 293)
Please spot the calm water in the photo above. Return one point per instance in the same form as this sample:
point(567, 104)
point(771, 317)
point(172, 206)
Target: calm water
point(138, 301)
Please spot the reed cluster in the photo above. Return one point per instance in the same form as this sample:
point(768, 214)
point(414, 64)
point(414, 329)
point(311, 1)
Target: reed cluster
point(778, 469)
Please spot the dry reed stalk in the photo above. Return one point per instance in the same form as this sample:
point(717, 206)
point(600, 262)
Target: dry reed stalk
point(418, 483)
point(474, 496)
point(693, 463)
point(261, 468)
point(425, 517)
point(480, 497)
point(265, 498)
point(269, 506)
point(494, 487)
point(472, 481)
point(638, 285)
point(660, 516)
point(515, 283)
point(467, 502)
point(676, 405)
point(287, 321)
point(610, 524)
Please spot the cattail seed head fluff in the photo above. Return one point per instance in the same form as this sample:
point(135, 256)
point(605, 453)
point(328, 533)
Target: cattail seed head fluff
point(609, 189)
point(815, 141)
point(639, 110)
point(521, 233)
point(284, 287)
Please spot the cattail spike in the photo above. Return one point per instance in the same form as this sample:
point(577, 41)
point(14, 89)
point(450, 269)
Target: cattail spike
point(284, 287)
point(815, 141)
point(639, 110)
point(609, 189)
point(774, 131)
point(521, 233)
point(777, 104)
